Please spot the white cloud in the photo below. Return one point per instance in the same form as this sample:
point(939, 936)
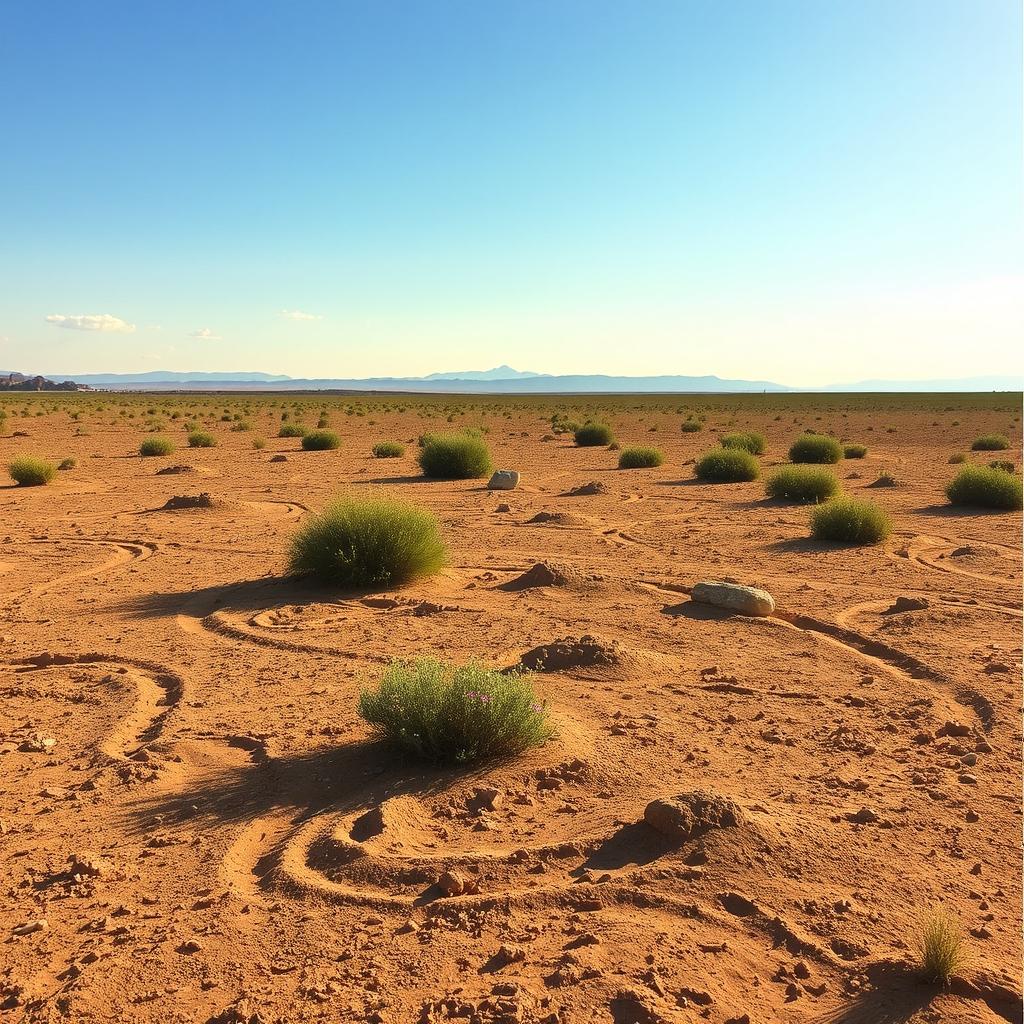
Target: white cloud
point(90, 322)
point(205, 333)
point(298, 314)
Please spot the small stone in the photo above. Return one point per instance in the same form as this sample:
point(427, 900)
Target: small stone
point(29, 927)
point(954, 729)
point(734, 597)
point(190, 946)
point(865, 816)
point(451, 883)
point(503, 480)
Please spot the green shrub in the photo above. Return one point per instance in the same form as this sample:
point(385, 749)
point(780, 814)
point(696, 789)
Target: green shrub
point(985, 487)
point(802, 483)
point(940, 946)
point(591, 435)
point(955, 460)
point(748, 441)
point(388, 450)
point(201, 439)
point(321, 441)
point(851, 521)
point(640, 458)
point(258, 443)
point(66, 464)
point(1006, 467)
point(727, 465)
point(156, 446)
point(367, 543)
point(454, 457)
point(292, 430)
point(855, 451)
point(456, 714)
point(815, 448)
point(27, 471)
point(241, 426)
point(690, 427)
point(990, 443)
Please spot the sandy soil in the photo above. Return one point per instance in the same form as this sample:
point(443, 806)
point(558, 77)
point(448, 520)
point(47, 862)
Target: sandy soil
point(213, 836)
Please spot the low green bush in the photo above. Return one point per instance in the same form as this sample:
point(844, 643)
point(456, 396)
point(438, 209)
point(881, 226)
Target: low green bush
point(592, 435)
point(851, 521)
point(156, 446)
point(727, 465)
point(258, 443)
point(367, 543)
point(641, 457)
point(748, 441)
point(801, 483)
point(388, 450)
point(690, 427)
point(201, 439)
point(454, 457)
point(855, 451)
point(321, 441)
point(292, 430)
point(28, 471)
point(985, 487)
point(66, 464)
point(456, 714)
point(1006, 467)
point(957, 459)
point(815, 448)
point(990, 443)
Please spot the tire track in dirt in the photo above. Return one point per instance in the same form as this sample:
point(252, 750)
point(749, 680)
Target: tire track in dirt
point(925, 550)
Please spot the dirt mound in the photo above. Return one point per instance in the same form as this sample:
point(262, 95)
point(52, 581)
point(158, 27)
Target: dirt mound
point(975, 551)
point(187, 501)
point(690, 815)
point(558, 519)
point(585, 490)
point(906, 604)
point(176, 470)
point(571, 652)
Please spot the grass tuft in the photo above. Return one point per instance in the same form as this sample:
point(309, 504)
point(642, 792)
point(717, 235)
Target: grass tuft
point(156, 446)
point(592, 435)
point(367, 543)
point(748, 441)
point(816, 448)
point(940, 946)
point(850, 521)
point(727, 465)
point(855, 451)
point(28, 471)
point(454, 457)
point(66, 464)
point(985, 487)
point(990, 443)
point(801, 483)
point(201, 439)
point(320, 441)
point(690, 426)
point(292, 430)
point(456, 714)
point(388, 450)
point(640, 458)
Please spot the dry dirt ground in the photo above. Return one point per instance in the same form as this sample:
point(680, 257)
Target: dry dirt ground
point(213, 835)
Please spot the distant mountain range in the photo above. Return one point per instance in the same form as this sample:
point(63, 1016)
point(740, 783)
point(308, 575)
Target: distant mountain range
point(10, 381)
point(505, 380)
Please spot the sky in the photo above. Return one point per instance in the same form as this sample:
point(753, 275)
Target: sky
point(788, 190)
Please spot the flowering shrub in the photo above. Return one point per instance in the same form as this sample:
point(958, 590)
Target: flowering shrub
point(456, 714)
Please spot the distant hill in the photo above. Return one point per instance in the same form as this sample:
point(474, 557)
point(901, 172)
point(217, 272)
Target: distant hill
point(11, 381)
point(498, 373)
point(166, 376)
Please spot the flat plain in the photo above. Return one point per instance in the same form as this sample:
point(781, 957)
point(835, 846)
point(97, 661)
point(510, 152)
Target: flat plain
point(197, 825)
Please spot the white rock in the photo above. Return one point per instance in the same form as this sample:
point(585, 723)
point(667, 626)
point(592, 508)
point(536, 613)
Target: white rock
point(503, 480)
point(746, 600)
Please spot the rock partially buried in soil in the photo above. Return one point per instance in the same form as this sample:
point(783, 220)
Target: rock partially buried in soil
point(279, 458)
point(689, 815)
point(181, 501)
point(906, 604)
point(586, 490)
point(734, 597)
point(503, 480)
point(175, 470)
point(570, 652)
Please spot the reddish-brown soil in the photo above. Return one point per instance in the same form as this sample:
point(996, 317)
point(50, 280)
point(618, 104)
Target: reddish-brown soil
point(213, 835)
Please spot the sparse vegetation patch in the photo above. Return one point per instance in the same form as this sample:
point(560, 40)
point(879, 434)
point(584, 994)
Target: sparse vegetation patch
point(815, 448)
point(28, 471)
point(640, 458)
point(985, 487)
point(802, 483)
point(454, 457)
point(850, 521)
point(727, 465)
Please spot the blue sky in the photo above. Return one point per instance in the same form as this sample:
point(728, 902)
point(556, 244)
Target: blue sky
point(783, 189)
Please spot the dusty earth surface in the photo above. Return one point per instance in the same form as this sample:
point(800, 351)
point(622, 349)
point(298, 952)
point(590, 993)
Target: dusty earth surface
point(193, 808)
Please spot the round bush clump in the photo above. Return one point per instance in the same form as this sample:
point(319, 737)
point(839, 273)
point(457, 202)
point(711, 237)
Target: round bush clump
point(591, 435)
point(727, 465)
point(801, 483)
point(367, 543)
point(1006, 467)
point(985, 487)
point(454, 457)
point(452, 714)
point(855, 451)
point(388, 450)
point(640, 458)
point(690, 427)
point(292, 430)
point(321, 441)
point(955, 460)
point(748, 441)
point(28, 471)
point(201, 439)
point(851, 521)
point(156, 446)
point(990, 443)
point(815, 448)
